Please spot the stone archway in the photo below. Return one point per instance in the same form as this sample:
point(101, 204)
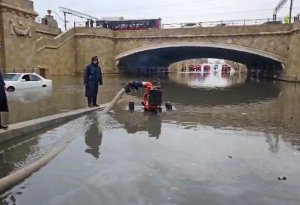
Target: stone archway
point(163, 55)
point(204, 45)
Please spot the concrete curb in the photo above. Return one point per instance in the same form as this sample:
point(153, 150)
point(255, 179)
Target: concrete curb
point(27, 127)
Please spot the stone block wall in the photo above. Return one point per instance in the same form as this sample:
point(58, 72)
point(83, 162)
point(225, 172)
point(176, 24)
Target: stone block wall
point(95, 42)
point(268, 38)
point(46, 31)
point(58, 61)
point(25, 5)
point(2, 45)
point(70, 52)
point(18, 35)
point(292, 71)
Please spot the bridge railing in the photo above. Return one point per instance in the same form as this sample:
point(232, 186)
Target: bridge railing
point(239, 22)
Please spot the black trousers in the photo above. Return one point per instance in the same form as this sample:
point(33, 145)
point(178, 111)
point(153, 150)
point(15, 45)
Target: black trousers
point(92, 100)
point(3, 100)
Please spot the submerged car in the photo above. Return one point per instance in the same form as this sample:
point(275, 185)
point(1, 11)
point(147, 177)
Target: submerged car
point(18, 81)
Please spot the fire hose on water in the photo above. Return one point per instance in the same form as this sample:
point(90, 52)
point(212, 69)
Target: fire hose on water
point(20, 175)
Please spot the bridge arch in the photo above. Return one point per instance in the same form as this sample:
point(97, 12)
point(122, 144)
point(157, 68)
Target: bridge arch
point(167, 53)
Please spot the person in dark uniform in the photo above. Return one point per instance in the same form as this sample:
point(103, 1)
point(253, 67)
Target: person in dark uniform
point(92, 80)
point(92, 23)
point(3, 101)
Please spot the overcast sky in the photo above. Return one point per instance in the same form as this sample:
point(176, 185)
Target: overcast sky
point(170, 11)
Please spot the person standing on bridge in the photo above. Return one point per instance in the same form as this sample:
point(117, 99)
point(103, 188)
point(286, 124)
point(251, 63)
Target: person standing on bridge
point(92, 23)
point(3, 101)
point(92, 80)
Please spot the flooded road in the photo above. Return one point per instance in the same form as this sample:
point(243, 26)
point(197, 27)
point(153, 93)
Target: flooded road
point(227, 141)
point(66, 94)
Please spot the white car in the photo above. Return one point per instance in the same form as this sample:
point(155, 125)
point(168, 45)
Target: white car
point(18, 81)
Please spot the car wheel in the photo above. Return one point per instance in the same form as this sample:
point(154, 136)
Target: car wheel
point(11, 89)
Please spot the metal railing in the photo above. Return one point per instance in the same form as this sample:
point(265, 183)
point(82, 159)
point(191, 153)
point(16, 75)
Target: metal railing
point(204, 24)
point(223, 23)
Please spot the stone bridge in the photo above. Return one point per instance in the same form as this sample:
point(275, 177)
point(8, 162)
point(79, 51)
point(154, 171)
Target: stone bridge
point(258, 46)
point(262, 46)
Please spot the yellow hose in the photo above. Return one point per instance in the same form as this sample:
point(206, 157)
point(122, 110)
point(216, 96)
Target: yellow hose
point(16, 177)
point(114, 101)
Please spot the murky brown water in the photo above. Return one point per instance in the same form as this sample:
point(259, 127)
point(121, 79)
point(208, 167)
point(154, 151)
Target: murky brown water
point(226, 142)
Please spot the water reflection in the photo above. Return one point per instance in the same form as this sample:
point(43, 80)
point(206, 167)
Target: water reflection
point(29, 95)
point(209, 80)
point(138, 121)
point(256, 123)
point(93, 137)
point(273, 141)
point(66, 94)
point(180, 91)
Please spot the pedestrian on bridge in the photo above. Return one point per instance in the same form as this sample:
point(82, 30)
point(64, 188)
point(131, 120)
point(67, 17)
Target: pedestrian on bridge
point(3, 101)
point(92, 23)
point(92, 80)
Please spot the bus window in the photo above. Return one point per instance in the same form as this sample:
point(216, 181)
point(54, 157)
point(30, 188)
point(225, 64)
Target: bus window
point(99, 23)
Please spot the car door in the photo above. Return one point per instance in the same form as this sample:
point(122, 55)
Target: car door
point(36, 80)
point(26, 82)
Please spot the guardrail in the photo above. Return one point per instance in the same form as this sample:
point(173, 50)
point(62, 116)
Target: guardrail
point(240, 22)
point(221, 23)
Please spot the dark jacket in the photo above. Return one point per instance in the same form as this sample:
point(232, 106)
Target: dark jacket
point(3, 99)
point(92, 79)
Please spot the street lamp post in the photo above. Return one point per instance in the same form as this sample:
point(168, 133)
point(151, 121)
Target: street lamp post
point(291, 8)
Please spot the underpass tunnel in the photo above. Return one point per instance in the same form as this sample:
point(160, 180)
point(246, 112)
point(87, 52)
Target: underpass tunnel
point(147, 60)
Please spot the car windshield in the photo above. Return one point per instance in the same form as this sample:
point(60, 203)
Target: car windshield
point(11, 77)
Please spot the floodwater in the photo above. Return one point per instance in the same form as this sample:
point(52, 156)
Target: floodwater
point(226, 141)
point(66, 94)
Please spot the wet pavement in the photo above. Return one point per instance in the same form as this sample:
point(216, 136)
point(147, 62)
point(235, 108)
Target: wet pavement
point(222, 144)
